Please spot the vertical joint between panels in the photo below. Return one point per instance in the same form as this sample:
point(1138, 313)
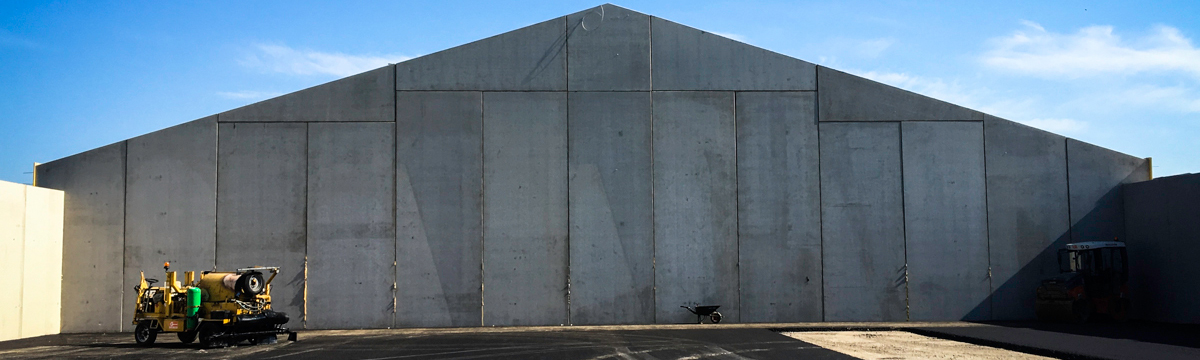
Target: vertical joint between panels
point(820, 190)
point(395, 193)
point(653, 217)
point(216, 191)
point(653, 167)
point(1067, 168)
point(904, 223)
point(307, 235)
point(987, 221)
point(567, 127)
point(124, 227)
point(483, 207)
point(567, 96)
point(737, 220)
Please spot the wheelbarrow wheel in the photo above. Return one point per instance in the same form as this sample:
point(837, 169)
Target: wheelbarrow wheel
point(715, 317)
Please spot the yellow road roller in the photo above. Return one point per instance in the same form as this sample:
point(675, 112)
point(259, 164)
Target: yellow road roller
point(220, 308)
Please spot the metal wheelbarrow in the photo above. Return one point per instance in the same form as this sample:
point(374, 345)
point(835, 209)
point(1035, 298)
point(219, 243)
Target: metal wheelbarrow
point(706, 310)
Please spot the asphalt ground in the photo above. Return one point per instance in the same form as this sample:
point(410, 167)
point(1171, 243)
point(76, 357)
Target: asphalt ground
point(714, 343)
point(740, 341)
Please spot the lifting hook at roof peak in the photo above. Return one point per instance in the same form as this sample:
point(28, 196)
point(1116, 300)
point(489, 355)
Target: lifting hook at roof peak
point(593, 18)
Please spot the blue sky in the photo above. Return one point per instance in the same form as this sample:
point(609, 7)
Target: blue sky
point(78, 75)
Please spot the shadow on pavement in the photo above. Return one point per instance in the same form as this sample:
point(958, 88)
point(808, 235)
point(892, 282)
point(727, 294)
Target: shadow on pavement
point(1150, 332)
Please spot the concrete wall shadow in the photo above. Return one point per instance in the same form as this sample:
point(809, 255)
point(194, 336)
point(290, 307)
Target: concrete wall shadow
point(1163, 227)
point(1104, 221)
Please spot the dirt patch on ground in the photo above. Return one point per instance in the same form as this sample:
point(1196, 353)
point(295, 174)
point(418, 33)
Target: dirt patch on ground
point(900, 345)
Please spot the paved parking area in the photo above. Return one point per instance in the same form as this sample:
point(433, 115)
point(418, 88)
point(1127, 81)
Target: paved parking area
point(714, 343)
point(724, 341)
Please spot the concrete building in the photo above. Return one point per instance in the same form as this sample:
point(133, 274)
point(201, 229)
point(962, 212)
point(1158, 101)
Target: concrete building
point(31, 244)
point(604, 167)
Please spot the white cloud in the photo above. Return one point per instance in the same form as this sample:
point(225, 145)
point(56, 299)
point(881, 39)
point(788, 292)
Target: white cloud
point(1092, 51)
point(874, 47)
point(284, 59)
point(1176, 98)
point(247, 94)
point(730, 35)
point(1062, 126)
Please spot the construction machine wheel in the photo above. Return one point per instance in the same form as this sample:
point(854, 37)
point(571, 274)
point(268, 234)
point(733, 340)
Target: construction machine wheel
point(1121, 315)
point(1081, 311)
point(715, 317)
point(251, 283)
point(145, 333)
point(187, 337)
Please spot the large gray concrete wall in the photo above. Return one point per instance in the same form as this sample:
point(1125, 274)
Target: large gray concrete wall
point(695, 204)
point(1095, 176)
point(779, 207)
point(1028, 214)
point(532, 58)
point(525, 208)
point(1162, 224)
point(862, 221)
point(439, 218)
point(610, 50)
point(351, 225)
point(93, 237)
point(170, 203)
point(549, 176)
point(945, 221)
point(262, 172)
point(610, 207)
point(685, 58)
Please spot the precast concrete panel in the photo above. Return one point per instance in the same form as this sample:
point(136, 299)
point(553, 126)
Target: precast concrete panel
point(532, 58)
point(41, 290)
point(1028, 219)
point(93, 237)
point(525, 208)
point(608, 50)
point(695, 204)
point(439, 184)
point(364, 97)
point(12, 263)
point(779, 207)
point(1162, 225)
point(862, 220)
point(170, 204)
point(1095, 175)
point(351, 225)
point(261, 173)
point(685, 58)
point(610, 207)
point(845, 97)
point(945, 221)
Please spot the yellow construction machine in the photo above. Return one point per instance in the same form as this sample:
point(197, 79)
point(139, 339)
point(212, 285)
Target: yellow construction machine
point(220, 308)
